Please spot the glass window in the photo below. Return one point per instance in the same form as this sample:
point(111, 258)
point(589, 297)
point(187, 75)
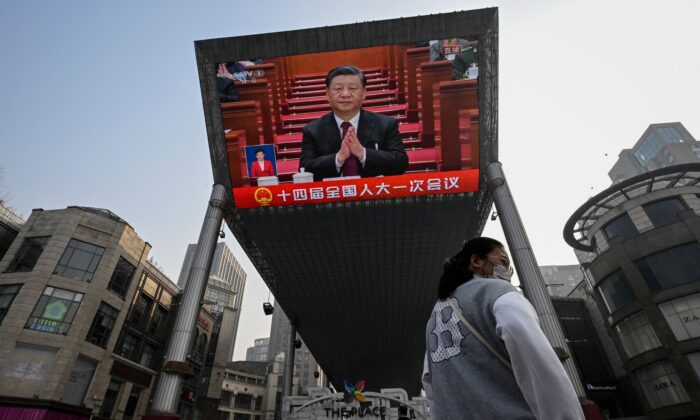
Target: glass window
point(648, 148)
point(147, 355)
point(102, 325)
point(582, 339)
point(166, 298)
point(121, 277)
point(7, 295)
point(225, 398)
point(150, 286)
point(666, 158)
point(54, 311)
point(128, 346)
point(131, 404)
point(696, 150)
point(109, 399)
point(694, 359)
point(636, 334)
point(661, 384)
point(672, 267)
point(79, 260)
point(664, 212)
point(243, 401)
point(654, 142)
point(218, 300)
point(683, 316)
point(141, 310)
point(616, 291)
point(202, 343)
point(28, 254)
point(620, 226)
point(157, 320)
point(671, 135)
point(79, 381)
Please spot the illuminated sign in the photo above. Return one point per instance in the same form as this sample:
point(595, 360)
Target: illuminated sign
point(425, 80)
point(408, 185)
point(279, 116)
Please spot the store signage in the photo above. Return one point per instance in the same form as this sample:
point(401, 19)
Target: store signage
point(354, 412)
point(592, 387)
point(203, 322)
point(354, 403)
point(44, 325)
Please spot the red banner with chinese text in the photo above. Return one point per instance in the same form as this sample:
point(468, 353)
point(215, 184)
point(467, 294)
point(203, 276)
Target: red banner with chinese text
point(408, 185)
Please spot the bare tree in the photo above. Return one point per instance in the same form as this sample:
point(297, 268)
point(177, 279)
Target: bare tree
point(5, 196)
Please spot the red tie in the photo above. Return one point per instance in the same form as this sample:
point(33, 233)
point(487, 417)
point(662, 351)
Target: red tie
point(351, 167)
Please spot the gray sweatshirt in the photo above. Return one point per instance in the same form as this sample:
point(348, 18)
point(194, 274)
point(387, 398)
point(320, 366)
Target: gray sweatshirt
point(466, 381)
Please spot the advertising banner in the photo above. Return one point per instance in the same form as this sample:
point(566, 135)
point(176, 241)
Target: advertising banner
point(358, 189)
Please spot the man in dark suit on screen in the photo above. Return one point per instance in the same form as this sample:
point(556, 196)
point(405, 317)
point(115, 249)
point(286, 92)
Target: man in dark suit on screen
point(350, 141)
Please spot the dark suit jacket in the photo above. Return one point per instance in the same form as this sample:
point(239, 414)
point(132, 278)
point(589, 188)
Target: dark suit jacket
point(378, 133)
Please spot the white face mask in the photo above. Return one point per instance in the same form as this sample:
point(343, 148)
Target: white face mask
point(502, 272)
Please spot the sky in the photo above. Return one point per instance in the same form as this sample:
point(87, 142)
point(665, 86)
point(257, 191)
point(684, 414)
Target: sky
point(100, 106)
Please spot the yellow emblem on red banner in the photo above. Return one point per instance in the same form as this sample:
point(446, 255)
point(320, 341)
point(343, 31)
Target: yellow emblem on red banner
point(263, 196)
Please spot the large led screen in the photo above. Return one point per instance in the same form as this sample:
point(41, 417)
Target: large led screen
point(371, 123)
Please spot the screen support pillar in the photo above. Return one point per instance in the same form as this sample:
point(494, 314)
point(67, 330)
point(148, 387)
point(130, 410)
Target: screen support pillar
point(175, 367)
point(289, 360)
point(529, 273)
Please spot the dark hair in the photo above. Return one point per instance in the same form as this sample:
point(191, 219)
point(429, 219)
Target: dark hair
point(346, 71)
point(403, 410)
point(259, 150)
point(455, 271)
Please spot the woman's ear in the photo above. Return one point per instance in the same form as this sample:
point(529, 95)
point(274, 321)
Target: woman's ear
point(475, 264)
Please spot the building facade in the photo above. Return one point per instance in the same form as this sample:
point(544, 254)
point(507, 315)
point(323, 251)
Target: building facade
point(591, 359)
point(560, 280)
point(258, 352)
point(305, 366)
point(223, 297)
point(193, 392)
point(645, 281)
point(73, 280)
point(224, 288)
point(599, 365)
point(251, 390)
point(660, 146)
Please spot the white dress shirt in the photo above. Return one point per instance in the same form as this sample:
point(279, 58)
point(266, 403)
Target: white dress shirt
point(537, 369)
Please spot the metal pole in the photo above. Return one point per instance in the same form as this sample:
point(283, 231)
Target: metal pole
point(289, 361)
point(528, 270)
point(167, 395)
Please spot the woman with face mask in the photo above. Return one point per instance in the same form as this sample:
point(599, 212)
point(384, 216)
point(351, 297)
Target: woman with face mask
point(486, 355)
